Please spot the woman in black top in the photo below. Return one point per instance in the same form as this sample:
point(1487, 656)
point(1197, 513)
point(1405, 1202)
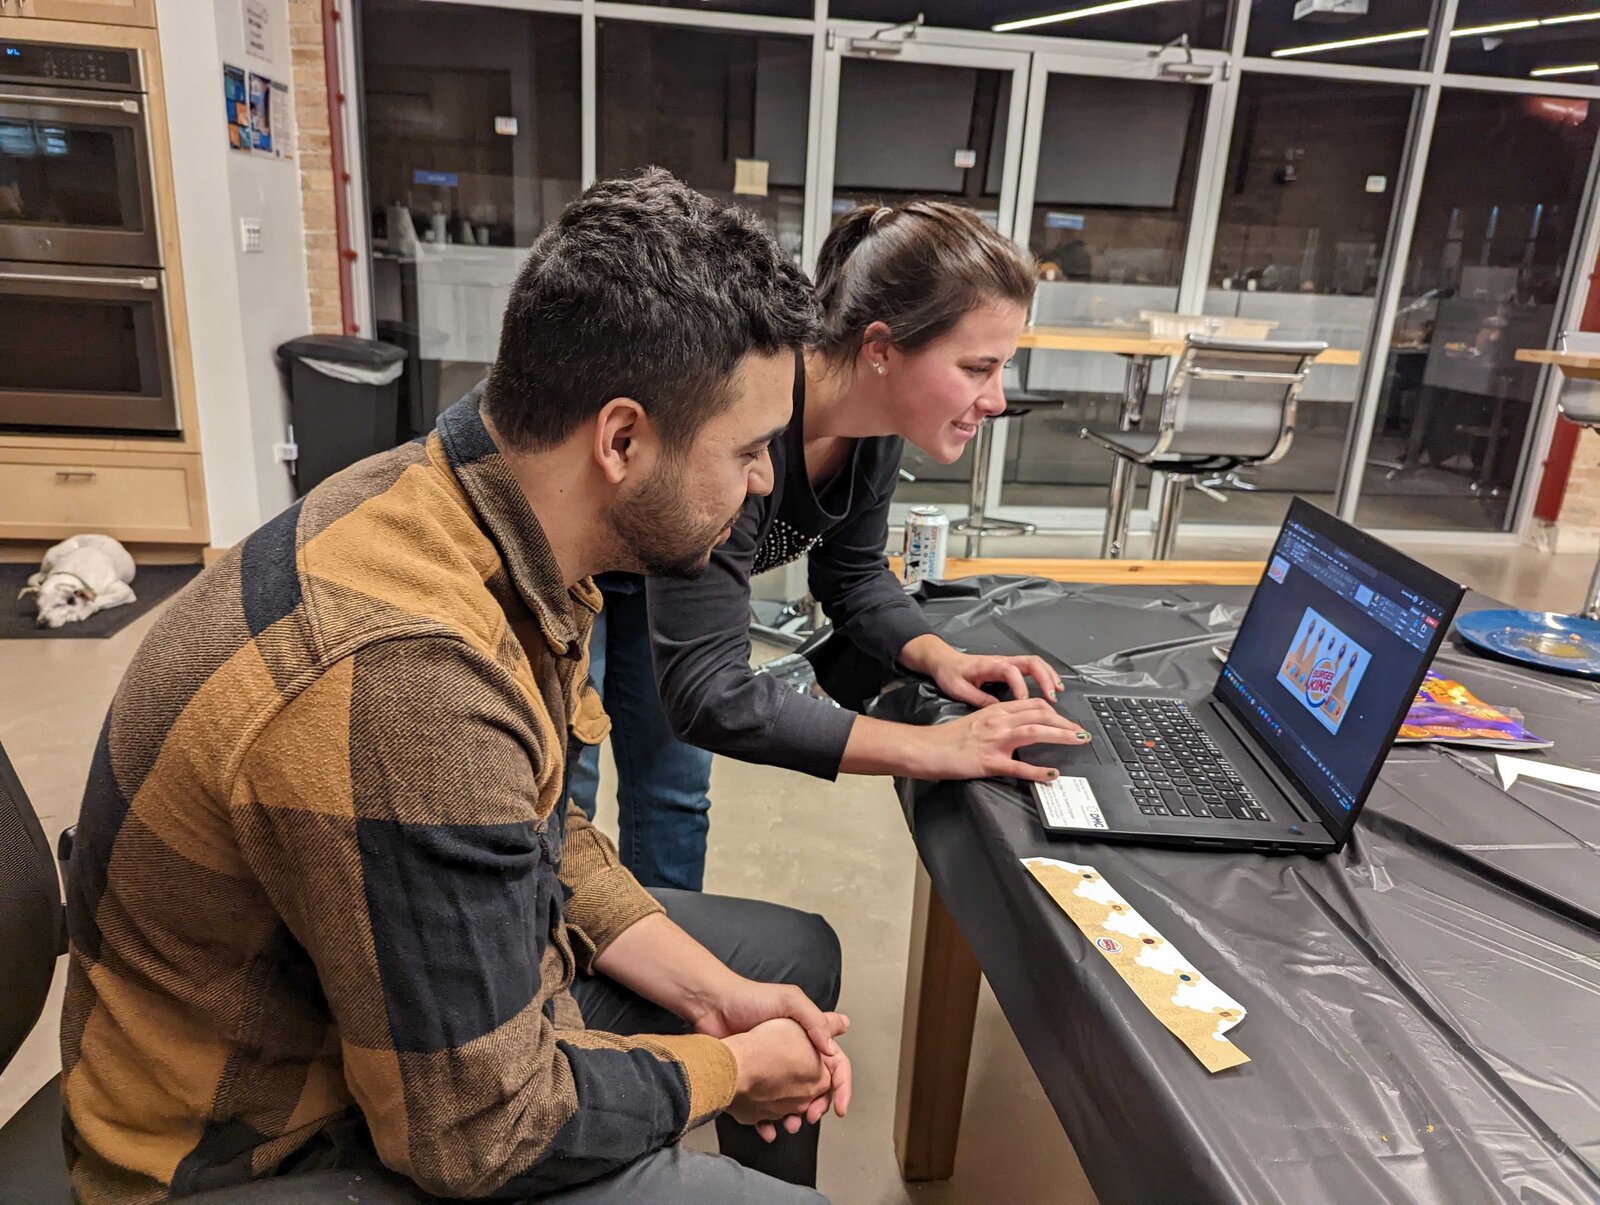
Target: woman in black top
point(922, 308)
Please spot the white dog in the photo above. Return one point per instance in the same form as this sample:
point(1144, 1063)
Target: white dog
point(80, 576)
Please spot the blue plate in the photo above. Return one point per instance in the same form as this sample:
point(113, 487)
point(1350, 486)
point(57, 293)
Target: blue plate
point(1568, 644)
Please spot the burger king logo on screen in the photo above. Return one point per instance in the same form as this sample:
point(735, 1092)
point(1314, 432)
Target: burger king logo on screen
point(1319, 683)
point(1322, 669)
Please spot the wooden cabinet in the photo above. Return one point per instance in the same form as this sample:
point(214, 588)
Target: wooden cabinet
point(134, 496)
point(100, 12)
point(139, 490)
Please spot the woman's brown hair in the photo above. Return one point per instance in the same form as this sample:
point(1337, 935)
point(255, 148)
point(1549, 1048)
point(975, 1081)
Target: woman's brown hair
point(919, 268)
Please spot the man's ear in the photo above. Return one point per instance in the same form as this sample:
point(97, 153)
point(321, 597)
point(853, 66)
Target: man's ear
point(621, 432)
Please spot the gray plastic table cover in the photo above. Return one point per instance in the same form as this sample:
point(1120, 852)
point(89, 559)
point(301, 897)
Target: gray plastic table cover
point(1424, 1007)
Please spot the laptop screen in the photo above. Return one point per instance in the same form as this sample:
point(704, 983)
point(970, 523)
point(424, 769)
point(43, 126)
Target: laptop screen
point(1331, 652)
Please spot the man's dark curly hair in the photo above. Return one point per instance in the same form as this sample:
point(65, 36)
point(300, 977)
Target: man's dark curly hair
point(643, 288)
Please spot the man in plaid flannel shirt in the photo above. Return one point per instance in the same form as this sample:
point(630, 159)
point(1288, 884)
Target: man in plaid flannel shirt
point(330, 905)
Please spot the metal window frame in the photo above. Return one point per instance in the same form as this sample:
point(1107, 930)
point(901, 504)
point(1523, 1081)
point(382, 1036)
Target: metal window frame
point(1041, 55)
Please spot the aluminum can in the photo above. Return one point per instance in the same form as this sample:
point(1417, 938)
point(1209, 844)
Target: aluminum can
point(927, 544)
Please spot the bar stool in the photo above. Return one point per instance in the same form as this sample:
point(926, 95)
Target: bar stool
point(1579, 402)
point(1229, 402)
point(978, 524)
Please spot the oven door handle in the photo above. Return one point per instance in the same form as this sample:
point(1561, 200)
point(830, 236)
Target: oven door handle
point(148, 283)
point(126, 106)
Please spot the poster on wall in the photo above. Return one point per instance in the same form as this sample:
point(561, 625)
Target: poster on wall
point(283, 131)
point(237, 100)
point(261, 114)
point(269, 117)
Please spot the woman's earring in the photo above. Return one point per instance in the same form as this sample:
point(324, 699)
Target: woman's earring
point(880, 369)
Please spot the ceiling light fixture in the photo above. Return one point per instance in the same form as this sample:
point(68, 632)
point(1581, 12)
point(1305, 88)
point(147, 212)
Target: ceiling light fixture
point(1406, 35)
point(1500, 27)
point(1575, 69)
point(1116, 6)
point(1346, 43)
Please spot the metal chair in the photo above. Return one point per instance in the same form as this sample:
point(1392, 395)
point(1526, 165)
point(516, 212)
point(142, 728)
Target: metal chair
point(1229, 402)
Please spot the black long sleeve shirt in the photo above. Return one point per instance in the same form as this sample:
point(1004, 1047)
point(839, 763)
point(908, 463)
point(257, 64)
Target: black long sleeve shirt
point(700, 629)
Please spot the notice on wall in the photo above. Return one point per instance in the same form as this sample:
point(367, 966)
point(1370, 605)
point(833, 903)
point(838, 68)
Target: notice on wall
point(750, 177)
point(258, 114)
point(237, 98)
point(256, 38)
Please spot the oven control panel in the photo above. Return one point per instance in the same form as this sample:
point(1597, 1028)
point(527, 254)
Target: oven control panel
point(72, 66)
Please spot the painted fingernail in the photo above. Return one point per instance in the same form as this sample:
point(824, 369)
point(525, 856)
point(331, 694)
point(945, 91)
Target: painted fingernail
point(1060, 685)
point(1052, 773)
point(1083, 736)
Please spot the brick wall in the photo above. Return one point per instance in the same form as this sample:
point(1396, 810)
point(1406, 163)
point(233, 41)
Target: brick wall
point(1582, 505)
point(316, 165)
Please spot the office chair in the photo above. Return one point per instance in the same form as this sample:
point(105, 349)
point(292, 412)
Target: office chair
point(33, 934)
point(1229, 402)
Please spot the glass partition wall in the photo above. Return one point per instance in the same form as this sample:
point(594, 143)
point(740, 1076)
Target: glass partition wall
point(1307, 202)
point(1417, 196)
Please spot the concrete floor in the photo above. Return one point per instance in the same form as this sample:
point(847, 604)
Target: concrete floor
point(839, 849)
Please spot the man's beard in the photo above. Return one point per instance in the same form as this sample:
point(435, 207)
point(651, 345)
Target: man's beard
point(657, 529)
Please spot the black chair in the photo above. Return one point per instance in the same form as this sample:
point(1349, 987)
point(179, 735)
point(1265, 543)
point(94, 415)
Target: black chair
point(33, 934)
point(1229, 402)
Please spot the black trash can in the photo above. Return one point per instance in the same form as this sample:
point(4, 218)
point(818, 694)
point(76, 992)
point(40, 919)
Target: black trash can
point(343, 400)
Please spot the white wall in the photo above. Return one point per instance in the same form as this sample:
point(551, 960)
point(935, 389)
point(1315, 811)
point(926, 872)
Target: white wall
point(240, 306)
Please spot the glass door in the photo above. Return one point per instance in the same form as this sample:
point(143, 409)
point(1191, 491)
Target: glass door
point(934, 122)
point(1115, 154)
point(1308, 201)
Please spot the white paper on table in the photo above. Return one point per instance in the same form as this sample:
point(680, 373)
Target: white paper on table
point(1513, 768)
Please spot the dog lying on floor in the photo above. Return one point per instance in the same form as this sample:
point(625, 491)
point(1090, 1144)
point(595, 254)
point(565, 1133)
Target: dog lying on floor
point(80, 576)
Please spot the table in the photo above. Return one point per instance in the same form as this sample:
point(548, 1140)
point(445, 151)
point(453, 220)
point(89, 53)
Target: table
point(1583, 366)
point(1142, 349)
point(1065, 569)
point(1424, 1006)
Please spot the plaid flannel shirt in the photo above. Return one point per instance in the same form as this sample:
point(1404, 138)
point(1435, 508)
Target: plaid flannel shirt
point(326, 862)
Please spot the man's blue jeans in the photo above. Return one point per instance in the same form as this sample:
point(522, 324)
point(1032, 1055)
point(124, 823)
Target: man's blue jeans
point(661, 782)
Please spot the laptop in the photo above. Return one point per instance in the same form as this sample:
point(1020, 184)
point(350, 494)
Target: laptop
point(1280, 755)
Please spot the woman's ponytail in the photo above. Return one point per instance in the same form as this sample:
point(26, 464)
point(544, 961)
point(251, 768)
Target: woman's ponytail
point(918, 268)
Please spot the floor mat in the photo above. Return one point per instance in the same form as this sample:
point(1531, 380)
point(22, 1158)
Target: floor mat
point(153, 584)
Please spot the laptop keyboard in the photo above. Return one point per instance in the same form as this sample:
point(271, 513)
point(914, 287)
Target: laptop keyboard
point(1177, 770)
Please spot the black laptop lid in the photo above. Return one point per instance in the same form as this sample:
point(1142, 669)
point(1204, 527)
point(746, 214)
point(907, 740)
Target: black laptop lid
point(1336, 641)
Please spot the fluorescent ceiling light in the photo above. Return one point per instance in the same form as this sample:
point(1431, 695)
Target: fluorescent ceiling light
point(1371, 40)
point(1407, 34)
point(1501, 27)
point(1575, 69)
point(1116, 6)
